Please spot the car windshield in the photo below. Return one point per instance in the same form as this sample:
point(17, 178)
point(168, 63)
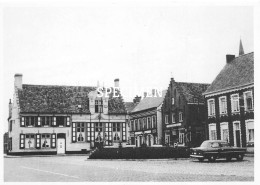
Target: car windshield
point(204, 144)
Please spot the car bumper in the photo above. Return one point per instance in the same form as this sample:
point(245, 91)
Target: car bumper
point(196, 156)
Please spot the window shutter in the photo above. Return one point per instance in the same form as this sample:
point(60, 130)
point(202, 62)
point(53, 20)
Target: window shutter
point(22, 122)
point(22, 141)
point(68, 122)
point(53, 140)
point(73, 132)
point(54, 121)
point(124, 132)
point(38, 141)
point(38, 121)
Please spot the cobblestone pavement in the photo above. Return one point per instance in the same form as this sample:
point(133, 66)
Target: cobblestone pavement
point(79, 168)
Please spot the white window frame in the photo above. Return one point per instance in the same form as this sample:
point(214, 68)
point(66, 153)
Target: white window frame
point(222, 110)
point(224, 124)
point(245, 103)
point(211, 112)
point(180, 116)
point(172, 101)
point(247, 133)
point(232, 102)
point(210, 125)
point(166, 119)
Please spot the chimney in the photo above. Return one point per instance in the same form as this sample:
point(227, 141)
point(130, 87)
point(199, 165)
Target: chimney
point(229, 58)
point(10, 108)
point(116, 82)
point(137, 99)
point(18, 81)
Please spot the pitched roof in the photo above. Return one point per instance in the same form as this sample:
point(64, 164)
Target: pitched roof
point(60, 99)
point(192, 90)
point(149, 102)
point(130, 106)
point(238, 72)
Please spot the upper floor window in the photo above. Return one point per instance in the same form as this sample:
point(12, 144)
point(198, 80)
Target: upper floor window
point(30, 121)
point(172, 101)
point(223, 105)
point(235, 103)
point(136, 125)
point(166, 119)
point(173, 117)
point(149, 123)
point(211, 107)
point(46, 120)
point(180, 116)
point(248, 99)
point(61, 121)
point(132, 125)
point(98, 106)
point(144, 123)
point(154, 122)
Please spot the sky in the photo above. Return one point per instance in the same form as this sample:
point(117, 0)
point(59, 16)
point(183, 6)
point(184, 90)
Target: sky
point(143, 46)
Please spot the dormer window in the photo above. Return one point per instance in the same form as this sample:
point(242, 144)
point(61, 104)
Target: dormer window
point(98, 106)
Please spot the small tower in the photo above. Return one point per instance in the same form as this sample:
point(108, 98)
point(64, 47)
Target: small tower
point(241, 49)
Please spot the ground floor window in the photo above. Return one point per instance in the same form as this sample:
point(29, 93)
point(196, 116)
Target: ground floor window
point(80, 132)
point(29, 141)
point(224, 132)
point(250, 131)
point(181, 137)
point(46, 140)
point(212, 132)
point(167, 139)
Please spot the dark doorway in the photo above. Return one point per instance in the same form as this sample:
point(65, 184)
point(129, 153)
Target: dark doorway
point(238, 138)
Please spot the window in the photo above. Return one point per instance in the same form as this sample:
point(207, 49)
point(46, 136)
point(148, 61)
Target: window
point(166, 119)
point(46, 140)
point(46, 121)
point(29, 141)
point(251, 135)
point(116, 132)
point(154, 122)
point(11, 125)
point(99, 132)
point(212, 132)
point(144, 124)
point(224, 131)
point(124, 131)
point(235, 103)
point(53, 140)
point(211, 107)
point(30, 121)
point(172, 101)
point(149, 123)
point(22, 139)
point(250, 131)
point(98, 106)
point(61, 121)
point(136, 124)
point(180, 116)
point(173, 117)
point(181, 137)
point(80, 132)
point(140, 124)
point(131, 125)
point(223, 105)
point(248, 99)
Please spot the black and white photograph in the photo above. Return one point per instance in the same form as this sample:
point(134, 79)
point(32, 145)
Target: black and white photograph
point(128, 91)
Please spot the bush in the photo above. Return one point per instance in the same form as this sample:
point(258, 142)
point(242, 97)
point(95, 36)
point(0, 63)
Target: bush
point(140, 153)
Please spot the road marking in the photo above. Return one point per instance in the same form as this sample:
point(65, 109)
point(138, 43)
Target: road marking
point(50, 172)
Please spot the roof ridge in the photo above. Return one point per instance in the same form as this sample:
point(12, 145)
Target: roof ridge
point(59, 85)
point(194, 83)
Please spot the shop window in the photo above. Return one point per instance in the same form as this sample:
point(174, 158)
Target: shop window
point(223, 105)
point(235, 103)
point(116, 132)
point(46, 140)
point(248, 99)
point(29, 141)
point(80, 132)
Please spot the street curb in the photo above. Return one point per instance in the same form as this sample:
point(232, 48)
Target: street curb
point(25, 156)
point(168, 159)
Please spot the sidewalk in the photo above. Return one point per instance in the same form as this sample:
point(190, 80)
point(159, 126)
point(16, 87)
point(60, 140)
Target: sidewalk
point(22, 156)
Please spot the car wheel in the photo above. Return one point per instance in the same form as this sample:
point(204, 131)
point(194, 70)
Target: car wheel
point(228, 158)
point(212, 158)
point(201, 159)
point(240, 157)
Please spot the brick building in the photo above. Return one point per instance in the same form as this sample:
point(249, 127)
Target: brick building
point(183, 113)
point(230, 101)
point(64, 119)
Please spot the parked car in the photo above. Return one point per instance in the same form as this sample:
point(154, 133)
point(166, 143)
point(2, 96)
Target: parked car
point(215, 149)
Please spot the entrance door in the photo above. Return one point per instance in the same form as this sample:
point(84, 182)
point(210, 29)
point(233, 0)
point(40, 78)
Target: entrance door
point(61, 146)
point(238, 138)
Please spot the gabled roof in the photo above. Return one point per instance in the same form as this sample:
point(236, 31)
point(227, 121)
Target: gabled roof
point(192, 90)
point(149, 102)
point(238, 72)
point(130, 106)
point(61, 99)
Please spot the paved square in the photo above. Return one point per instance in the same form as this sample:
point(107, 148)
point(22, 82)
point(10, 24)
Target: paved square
point(79, 168)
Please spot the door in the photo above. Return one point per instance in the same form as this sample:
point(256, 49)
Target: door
point(238, 138)
point(61, 146)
